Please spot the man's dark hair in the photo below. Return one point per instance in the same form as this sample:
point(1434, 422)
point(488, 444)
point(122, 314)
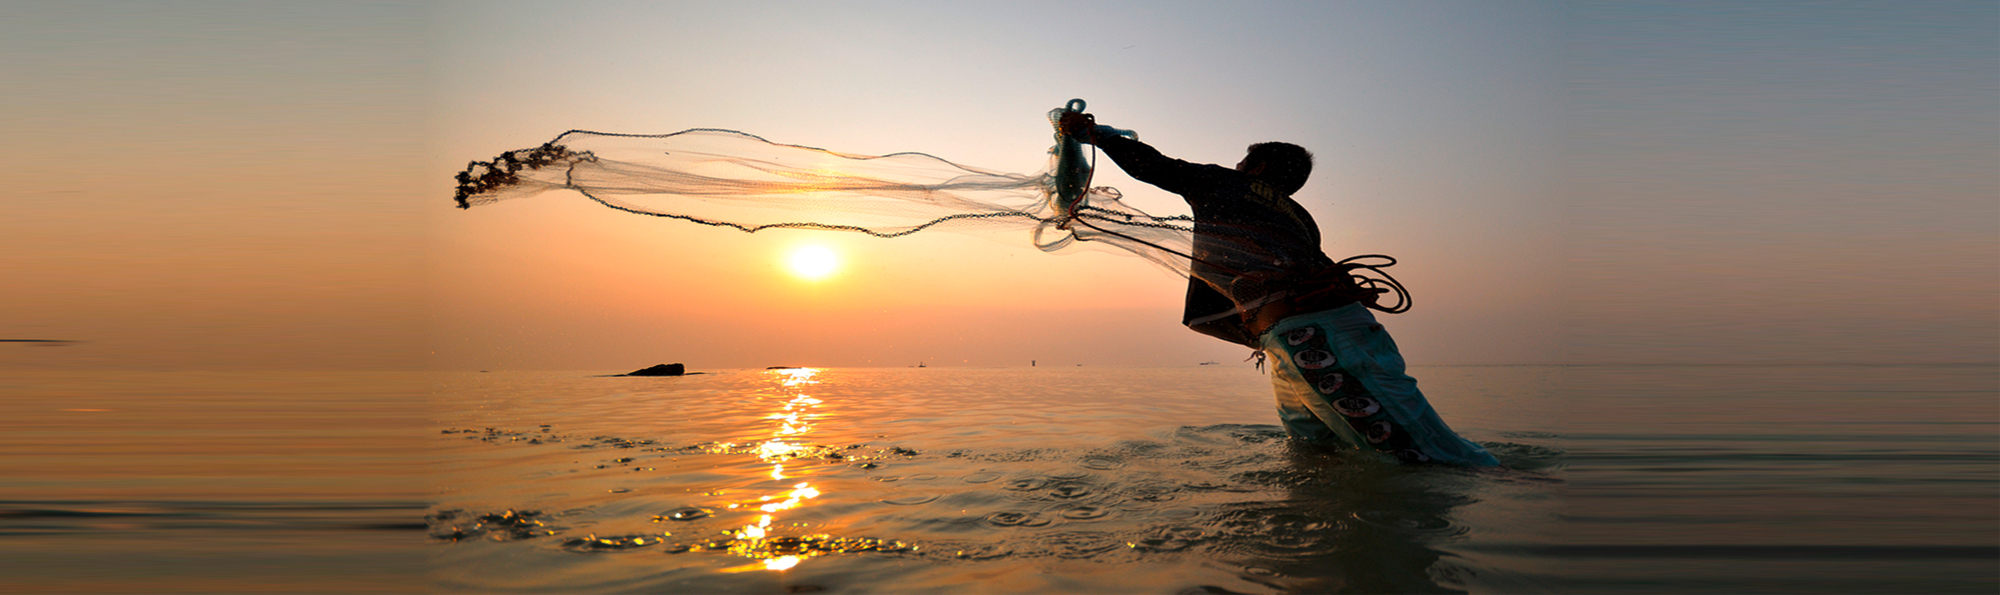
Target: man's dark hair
point(1286, 166)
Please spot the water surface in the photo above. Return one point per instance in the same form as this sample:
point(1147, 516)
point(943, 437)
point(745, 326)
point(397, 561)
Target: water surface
point(972, 480)
point(1635, 479)
point(211, 482)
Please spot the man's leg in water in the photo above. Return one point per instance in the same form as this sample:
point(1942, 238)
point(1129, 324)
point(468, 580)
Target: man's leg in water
point(1338, 376)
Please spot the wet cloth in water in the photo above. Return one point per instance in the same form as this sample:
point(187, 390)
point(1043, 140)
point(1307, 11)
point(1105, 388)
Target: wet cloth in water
point(1338, 376)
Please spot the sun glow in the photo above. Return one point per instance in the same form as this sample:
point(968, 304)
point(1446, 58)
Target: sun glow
point(814, 262)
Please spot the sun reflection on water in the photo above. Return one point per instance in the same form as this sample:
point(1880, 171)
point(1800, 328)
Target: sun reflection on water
point(765, 541)
point(755, 541)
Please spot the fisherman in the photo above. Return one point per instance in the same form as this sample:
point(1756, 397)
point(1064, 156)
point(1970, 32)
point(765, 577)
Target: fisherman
point(1259, 279)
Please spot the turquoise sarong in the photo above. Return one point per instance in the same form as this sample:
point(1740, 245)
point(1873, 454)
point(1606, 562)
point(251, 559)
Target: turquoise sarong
point(1338, 377)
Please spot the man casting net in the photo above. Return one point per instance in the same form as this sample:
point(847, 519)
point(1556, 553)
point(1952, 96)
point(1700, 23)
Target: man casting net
point(1257, 276)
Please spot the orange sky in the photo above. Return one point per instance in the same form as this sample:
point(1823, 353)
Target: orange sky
point(269, 187)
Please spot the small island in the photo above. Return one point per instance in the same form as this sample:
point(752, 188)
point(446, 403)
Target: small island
point(660, 370)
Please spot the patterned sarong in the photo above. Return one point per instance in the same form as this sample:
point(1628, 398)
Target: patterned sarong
point(1338, 376)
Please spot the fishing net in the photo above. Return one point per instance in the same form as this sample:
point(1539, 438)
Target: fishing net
point(725, 178)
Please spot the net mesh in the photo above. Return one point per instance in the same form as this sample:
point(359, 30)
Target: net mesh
point(725, 178)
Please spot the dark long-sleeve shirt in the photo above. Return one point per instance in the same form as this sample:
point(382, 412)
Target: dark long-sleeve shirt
point(1248, 236)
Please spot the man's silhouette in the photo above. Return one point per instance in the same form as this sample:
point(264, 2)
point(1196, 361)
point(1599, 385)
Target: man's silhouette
point(1259, 279)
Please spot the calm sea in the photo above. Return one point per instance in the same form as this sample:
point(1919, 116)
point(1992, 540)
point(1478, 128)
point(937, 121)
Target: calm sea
point(1007, 480)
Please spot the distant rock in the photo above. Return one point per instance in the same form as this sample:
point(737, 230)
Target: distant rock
point(661, 370)
point(785, 368)
point(42, 342)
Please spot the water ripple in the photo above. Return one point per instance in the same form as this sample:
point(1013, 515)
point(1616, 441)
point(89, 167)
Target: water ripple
point(1010, 518)
point(1152, 493)
point(911, 500)
point(1103, 463)
point(1026, 484)
point(1082, 544)
point(1408, 521)
point(1280, 532)
point(988, 551)
point(687, 513)
point(1069, 474)
point(1071, 490)
point(1170, 539)
point(621, 543)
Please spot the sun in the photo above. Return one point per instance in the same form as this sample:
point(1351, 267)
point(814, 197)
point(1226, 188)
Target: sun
point(814, 262)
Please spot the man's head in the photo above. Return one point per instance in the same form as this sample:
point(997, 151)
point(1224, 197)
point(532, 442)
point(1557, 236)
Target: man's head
point(1284, 165)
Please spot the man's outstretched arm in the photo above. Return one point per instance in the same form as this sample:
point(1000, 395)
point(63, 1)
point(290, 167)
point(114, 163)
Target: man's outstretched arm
point(1139, 160)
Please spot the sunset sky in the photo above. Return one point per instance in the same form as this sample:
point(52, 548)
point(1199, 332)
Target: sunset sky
point(268, 185)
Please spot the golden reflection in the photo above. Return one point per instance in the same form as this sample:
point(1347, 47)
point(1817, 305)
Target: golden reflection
point(756, 541)
point(765, 541)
